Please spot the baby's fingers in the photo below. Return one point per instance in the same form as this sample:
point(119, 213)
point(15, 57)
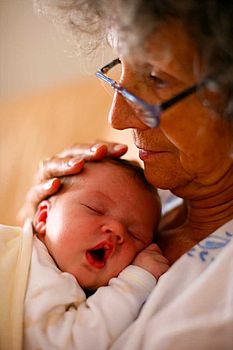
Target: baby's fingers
point(156, 253)
point(153, 247)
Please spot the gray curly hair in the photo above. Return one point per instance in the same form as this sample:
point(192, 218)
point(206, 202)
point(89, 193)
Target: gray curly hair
point(209, 22)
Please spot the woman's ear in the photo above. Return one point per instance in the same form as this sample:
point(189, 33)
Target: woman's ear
point(40, 218)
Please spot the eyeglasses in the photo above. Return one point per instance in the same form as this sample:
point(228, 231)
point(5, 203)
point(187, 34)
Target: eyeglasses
point(149, 114)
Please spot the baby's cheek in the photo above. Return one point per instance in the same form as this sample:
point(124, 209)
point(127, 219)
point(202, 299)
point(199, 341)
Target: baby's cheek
point(131, 250)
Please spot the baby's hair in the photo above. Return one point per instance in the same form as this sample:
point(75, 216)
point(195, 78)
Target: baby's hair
point(133, 168)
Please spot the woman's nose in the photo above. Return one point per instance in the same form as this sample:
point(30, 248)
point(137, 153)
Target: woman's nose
point(116, 229)
point(122, 115)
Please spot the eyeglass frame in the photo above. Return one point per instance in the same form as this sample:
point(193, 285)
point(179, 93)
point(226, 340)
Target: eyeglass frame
point(151, 112)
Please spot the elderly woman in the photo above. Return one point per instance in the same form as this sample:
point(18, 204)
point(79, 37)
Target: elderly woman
point(176, 94)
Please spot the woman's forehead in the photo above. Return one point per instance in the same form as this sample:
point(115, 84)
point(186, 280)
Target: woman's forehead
point(168, 48)
point(172, 46)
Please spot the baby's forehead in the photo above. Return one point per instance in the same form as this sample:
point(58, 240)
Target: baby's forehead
point(98, 172)
point(107, 185)
point(107, 174)
point(104, 169)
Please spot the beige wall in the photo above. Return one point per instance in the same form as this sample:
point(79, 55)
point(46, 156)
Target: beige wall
point(34, 54)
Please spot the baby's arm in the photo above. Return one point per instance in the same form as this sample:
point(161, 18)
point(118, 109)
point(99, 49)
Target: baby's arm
point(58, 321)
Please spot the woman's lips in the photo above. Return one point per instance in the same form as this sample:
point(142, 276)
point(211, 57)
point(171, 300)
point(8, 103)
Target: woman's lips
point(98, 255)
point(145, 155)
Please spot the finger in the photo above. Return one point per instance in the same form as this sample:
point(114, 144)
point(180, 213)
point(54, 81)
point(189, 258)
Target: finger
point(55, 167)
point(164, 267)
point(42, 191)
point(96, 148)
point(161, 259)
point(154, 247)
point(88, 151)
point(35, 196)
point(158, 256)
point(100, 150)
point(116, 150)
point(71, 161)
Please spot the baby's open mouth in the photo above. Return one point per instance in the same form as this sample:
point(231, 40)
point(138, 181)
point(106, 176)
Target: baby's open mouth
point(98, 255)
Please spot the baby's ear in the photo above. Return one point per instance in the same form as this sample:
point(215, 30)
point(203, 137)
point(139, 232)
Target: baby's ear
point(40, 218)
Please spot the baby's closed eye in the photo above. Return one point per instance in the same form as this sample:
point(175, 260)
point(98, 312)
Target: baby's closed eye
point(94, 209)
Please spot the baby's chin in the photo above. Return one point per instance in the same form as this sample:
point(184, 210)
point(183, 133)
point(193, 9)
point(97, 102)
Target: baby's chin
point(91, 287)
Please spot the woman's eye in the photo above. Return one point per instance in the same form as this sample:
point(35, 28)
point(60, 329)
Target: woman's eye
point(160, 82)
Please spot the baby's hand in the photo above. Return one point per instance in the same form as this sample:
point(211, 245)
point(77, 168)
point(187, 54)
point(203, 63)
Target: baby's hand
point(152, 260)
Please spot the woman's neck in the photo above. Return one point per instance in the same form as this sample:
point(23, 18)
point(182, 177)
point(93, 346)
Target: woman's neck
point(204, 215)
point(209, 213)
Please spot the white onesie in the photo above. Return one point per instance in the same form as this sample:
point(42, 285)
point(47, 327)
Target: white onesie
point(59, 316)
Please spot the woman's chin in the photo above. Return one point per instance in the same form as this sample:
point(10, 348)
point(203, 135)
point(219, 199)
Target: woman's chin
point(157, 178)
point(165, 178)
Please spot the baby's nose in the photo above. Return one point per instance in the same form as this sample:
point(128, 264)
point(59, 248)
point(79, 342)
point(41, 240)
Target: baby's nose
point(115, 228)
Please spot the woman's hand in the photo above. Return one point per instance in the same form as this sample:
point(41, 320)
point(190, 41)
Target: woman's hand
point(69, 162)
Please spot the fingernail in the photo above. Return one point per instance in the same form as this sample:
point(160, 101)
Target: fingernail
point(119, 147)
point(94, 148)
point(73, 162)
point(49, 184)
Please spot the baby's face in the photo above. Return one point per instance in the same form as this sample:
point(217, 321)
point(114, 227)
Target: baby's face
point(95, 228)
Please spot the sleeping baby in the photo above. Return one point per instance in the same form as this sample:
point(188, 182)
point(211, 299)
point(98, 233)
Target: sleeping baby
point(92, 260)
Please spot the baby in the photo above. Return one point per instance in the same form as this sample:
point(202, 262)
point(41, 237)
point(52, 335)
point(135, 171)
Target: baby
point(93, 237)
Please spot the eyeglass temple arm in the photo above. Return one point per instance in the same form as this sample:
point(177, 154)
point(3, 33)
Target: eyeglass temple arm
point(192, 89)
point(109, 66)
